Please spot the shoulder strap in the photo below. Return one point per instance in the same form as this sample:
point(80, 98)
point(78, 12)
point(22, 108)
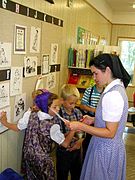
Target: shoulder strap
point(91, 94)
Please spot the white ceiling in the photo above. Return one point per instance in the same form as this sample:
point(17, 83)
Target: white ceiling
point(121, 5)
point(116, 11)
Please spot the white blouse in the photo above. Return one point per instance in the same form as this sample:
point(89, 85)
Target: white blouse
point(112, 103)
point(55, 133)
point(23, 122)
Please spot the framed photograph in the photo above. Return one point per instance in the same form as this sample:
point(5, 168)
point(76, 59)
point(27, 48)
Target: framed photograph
point(45, 64)
point(20, 39)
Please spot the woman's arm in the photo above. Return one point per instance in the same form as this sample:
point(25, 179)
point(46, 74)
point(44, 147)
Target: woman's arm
point(3, 120)
point(87, 120)
point(108, 132)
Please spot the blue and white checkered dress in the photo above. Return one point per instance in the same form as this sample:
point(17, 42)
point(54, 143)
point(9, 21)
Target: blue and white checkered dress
point(106, 158)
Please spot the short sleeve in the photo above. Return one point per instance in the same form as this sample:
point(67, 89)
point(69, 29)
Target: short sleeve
point(112, 106)
point(23, 122)
point(56, 134)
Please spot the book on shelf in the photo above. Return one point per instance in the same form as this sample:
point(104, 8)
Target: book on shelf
point(73, 78)
point(85, 81)
point(81, 81)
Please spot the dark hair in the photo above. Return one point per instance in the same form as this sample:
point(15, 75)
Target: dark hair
point(51, 98)
point(100, 63)
point(112, 61)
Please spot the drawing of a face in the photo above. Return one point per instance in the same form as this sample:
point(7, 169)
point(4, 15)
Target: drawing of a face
point(55, 48)
point(36, 31)
point(28, 62)
point(17, 73)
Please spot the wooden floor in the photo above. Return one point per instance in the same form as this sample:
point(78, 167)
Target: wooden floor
point(129, 139)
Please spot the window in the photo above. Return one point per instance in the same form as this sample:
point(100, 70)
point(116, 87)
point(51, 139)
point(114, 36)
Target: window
point(127, 54)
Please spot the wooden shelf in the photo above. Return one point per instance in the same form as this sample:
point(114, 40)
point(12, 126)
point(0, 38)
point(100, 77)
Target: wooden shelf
point(80, 71)
point(73, 67)
point(81, 78)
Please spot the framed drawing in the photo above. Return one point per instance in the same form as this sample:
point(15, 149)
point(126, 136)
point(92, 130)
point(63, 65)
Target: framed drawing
point(45, 64)
point(20, 39)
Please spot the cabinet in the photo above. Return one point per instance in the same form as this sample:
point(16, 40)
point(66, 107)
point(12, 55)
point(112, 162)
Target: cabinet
point(81, 78)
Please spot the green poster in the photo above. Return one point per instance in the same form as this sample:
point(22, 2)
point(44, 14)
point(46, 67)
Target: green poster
point(80, 35)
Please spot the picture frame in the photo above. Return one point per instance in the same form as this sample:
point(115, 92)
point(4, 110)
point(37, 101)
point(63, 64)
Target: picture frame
point(20, 39)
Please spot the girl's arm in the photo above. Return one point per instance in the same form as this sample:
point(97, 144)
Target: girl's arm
point(3, 120)
point(68, 139)
point(57, 136)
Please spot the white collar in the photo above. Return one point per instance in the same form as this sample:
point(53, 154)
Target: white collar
point(43, 115)
point(113, 83)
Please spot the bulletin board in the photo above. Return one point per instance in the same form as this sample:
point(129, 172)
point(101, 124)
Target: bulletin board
point(29, 35)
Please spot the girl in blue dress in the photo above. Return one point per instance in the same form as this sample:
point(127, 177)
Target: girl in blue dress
point(106, 156)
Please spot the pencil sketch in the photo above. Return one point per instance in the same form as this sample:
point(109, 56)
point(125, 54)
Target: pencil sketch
point(35, 40)
point(45, 64)
point(20, 106)
point(16, 81)
point(5, 54)
point(4, 94)
point(51, 81)
point(54, 53)
point(30, 64)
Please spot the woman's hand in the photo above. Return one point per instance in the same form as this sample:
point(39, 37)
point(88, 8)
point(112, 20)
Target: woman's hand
point(87, 120)
point(75, 125)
